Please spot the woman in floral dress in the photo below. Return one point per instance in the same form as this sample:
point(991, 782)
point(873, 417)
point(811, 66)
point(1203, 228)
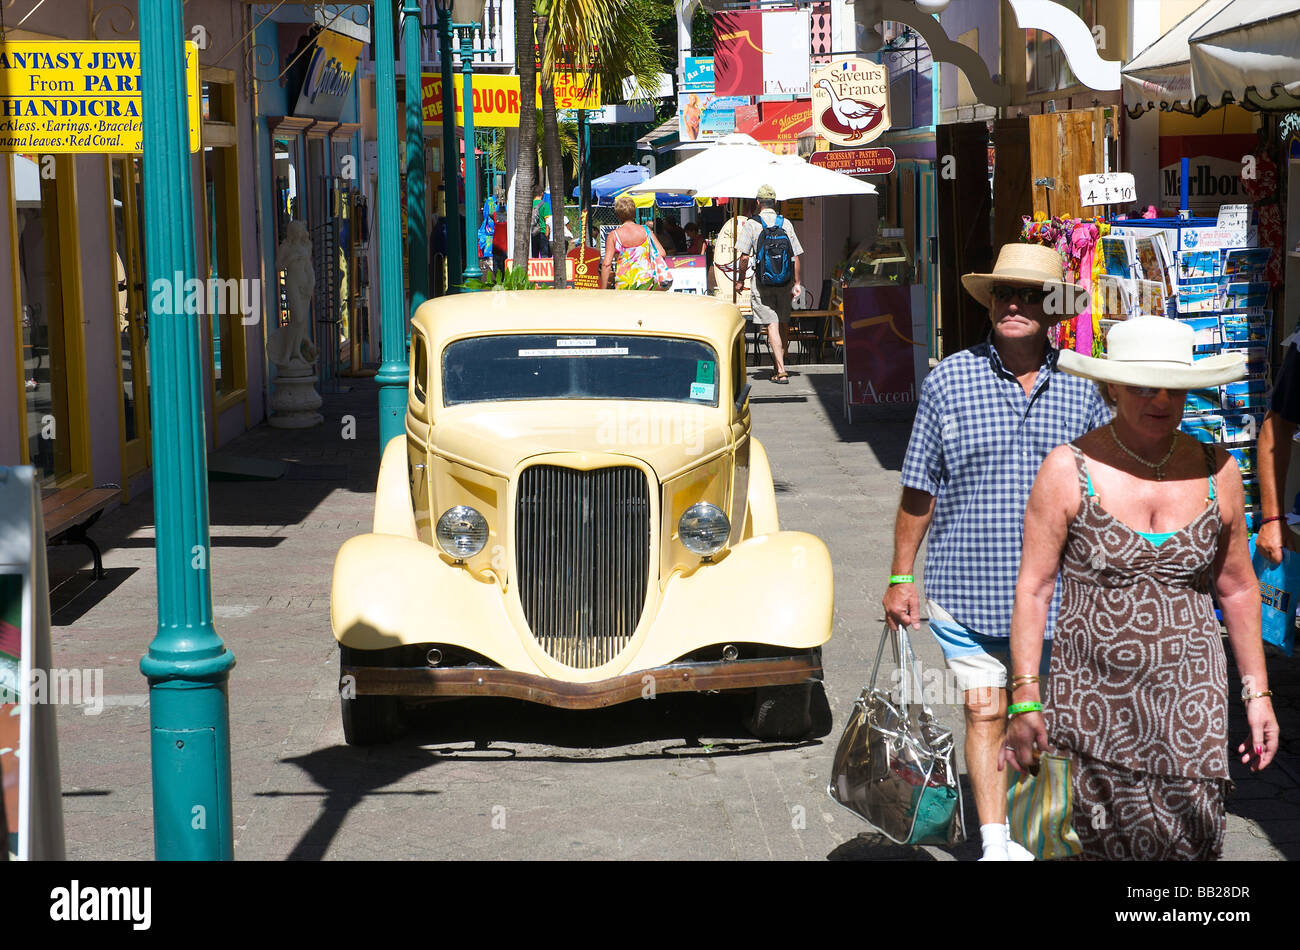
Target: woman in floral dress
point(629, 252)
point(1140, 521)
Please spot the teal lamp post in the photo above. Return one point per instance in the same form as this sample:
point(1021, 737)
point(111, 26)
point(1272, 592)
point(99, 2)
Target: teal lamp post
point(450, 160)
point(467, 15)
point(394, 373)
point(417, 246)
point(187, 665)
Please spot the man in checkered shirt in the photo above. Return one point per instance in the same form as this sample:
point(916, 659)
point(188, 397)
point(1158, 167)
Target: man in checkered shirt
point(986, 419)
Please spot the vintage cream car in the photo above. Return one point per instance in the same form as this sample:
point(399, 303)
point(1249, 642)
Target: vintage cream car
point(578, 516)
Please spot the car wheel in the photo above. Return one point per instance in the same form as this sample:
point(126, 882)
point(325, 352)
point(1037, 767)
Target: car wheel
point(368, 720)
point(781, 712)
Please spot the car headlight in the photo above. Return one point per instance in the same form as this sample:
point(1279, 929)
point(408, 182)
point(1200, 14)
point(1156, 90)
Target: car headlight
point(703, 529)
point(462, 532)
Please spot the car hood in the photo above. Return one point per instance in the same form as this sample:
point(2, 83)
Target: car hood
point(669, 437)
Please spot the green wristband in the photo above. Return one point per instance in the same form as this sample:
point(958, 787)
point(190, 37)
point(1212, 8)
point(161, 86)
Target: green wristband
point(1015, 709)
point(901, 579)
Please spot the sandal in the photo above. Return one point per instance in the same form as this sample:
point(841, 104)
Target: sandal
point(781, 379)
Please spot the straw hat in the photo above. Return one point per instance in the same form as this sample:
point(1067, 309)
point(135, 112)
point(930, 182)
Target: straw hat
point(1023, 265)
point(1155, 352)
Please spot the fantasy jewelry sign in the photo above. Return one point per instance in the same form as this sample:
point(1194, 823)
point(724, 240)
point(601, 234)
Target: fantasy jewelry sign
point(850, 101)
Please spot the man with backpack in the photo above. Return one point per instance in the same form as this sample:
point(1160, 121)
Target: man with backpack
point(777, 280)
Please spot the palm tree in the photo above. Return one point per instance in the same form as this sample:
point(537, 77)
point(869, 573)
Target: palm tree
point(568, 147)
point(606, 38)
point(525, 166)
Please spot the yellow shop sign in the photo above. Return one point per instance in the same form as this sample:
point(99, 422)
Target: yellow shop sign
point(496, 100)
point(569, 89)
point(79, 96)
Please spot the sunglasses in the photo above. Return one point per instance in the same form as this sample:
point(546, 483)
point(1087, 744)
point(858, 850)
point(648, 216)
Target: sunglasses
point(1148, 392)
point(1004, 292)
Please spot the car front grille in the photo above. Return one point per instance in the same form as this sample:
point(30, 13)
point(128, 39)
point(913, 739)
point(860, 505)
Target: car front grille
point(582, 555)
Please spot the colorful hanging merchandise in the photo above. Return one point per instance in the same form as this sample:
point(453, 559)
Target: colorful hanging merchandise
point(1075, 239)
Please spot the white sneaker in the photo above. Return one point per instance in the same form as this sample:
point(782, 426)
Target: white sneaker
point(996, 853)
point(1017, 852)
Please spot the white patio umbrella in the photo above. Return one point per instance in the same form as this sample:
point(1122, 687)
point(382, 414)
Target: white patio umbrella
point(728, 154)
point(790, 177)
point(1161, 75)
point(1254, 45)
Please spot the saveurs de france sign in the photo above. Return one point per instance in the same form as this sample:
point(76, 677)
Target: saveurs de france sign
point(850, 101)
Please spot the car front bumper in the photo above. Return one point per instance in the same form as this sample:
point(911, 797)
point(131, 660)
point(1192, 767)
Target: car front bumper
point(452, 682)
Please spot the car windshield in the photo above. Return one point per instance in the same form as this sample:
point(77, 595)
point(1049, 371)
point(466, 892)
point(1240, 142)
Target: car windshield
point(579, 366)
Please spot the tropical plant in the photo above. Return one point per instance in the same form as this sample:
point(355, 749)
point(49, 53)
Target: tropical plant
point(525, 167)
point(568, 147)
point(512, 278)
point(611, 39)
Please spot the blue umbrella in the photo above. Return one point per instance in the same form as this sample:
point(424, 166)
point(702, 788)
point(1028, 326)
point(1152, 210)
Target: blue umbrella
point(607, 186)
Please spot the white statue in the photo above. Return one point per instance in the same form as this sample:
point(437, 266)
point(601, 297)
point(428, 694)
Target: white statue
point(290, 347)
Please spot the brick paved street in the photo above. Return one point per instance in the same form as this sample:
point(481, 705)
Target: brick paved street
point(673, 778)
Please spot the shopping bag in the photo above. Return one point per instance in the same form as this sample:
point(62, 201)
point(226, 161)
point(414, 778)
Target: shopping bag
point(1278, 586)
point(896, 766)
point(1040, 809)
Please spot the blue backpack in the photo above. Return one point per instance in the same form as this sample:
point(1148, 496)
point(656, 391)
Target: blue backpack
point(774, 257)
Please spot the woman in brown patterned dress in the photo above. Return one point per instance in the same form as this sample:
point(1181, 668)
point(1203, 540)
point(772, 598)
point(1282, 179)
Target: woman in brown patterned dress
point(1140, 521)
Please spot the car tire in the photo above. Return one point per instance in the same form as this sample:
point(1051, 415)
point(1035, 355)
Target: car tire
point(367, 720)
point(781, 712)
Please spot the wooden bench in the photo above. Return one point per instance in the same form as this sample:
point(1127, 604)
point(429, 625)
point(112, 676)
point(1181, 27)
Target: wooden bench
point(68, 515)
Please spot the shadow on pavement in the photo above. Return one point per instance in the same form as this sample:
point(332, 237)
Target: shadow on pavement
point(886, 432)
point(74, 593)
point(347, 776)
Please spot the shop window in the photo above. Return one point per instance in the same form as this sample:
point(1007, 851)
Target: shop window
point(1046, 68)
point(131, 307)
point(53, 370)
point(222, 266)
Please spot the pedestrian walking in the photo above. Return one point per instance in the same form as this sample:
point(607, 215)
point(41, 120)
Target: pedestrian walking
point(1273, 459)
point(777, 278)
point(986, 419)
point(1140, 520)
point(630, 249)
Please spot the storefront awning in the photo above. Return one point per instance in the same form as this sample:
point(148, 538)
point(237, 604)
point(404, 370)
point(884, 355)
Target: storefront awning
point(1250, 50)
point(662, 138)
point(1161, 75)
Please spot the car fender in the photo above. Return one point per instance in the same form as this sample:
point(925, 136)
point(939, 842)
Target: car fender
point(393, 511)
point(776, 589)
point(389, 591)
point(760, 507)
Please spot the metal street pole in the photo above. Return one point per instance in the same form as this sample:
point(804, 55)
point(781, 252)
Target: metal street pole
point(472, 270)
point(450, 160)
point(394, 374)
point(187, 664)
point(417, 244)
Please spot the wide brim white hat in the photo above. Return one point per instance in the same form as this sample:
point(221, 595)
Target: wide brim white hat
point(1154, 352)
point(1035, 266)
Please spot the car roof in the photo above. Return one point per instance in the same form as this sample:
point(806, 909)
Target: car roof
point(447, 318)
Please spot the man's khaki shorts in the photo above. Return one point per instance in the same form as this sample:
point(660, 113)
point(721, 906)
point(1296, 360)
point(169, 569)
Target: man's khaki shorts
point(770, 303)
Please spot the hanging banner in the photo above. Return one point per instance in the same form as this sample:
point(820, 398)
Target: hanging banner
point(780, 126)
point(571, 92)
point(496, 100)
point(704, 116)
point(761, 52)
point(850, 101)
point(856, 161)
point(328, 79)
point(698, 76)
point(80, 96)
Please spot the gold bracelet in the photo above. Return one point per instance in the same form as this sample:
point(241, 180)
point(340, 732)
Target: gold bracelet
point(1020, 679)
point(1246, 696)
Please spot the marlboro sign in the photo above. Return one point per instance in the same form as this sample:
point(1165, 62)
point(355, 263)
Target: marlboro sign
point(850, 101)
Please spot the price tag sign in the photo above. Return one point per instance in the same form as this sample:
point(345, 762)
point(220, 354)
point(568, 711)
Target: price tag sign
point(1234, 217)
point(1117, 188)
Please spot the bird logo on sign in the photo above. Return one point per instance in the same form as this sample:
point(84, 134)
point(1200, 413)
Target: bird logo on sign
point(849, 117)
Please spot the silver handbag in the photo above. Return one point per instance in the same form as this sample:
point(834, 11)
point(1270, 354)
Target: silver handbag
point(896, 765)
